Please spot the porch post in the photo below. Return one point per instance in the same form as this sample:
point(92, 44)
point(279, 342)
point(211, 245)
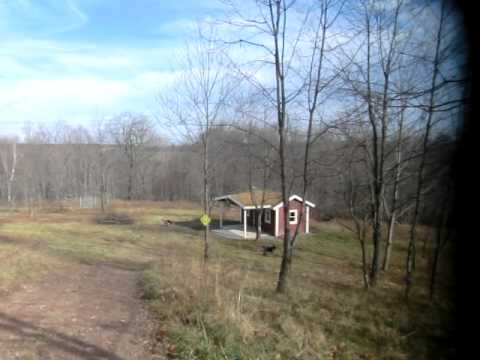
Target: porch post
point(277, 220)
point(307, 223)
point(221, 214)
point(244, 224)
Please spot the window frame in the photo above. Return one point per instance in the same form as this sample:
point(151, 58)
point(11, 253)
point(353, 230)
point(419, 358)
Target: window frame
point(268, 217)
point(290, 212)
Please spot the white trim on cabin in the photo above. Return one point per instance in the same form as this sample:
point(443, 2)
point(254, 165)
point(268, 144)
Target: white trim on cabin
point(238, 203)
point(294, 197)
point(307, 222)
point(265, 206)
point(228, 197)
point(245, 224)
point(253, 207)
point(221, 215)
point(278, 206)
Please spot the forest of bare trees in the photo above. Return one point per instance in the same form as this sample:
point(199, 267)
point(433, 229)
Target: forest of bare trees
point(356, 106)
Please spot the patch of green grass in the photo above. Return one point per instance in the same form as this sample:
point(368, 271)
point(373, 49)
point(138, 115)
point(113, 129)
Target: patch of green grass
point(159, 216)
point(91, 242)
point(18, 265)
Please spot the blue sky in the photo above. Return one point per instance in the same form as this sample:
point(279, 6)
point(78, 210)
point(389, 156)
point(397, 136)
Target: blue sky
point(75, 60)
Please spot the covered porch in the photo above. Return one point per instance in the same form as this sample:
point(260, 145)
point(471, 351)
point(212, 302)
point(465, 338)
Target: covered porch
point(252, 215)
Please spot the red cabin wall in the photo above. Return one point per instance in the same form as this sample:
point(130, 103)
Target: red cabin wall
point(294, 204)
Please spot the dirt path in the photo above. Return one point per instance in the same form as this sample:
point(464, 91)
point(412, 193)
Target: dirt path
point(88, 312)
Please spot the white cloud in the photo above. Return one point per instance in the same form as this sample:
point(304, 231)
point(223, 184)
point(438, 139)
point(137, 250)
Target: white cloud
point(177, 27)
point(95, 61)
point(81, 90)
point(78, 99)
point(45, 17)
point(45, 79)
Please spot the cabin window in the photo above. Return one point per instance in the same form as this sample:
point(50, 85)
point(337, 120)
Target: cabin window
point(292, 216)
point(268, 216)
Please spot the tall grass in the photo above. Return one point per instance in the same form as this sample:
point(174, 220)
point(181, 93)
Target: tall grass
point(229, 309)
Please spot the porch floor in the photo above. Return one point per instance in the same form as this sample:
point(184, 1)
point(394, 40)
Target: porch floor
point(236, 232)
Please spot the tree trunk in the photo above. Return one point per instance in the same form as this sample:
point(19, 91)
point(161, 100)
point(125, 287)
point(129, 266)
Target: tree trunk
point(436, 256)
point(259, 225)
point(388, 245)
point(102, 192)
point(279, 36)
point(411, 255)
point(286, 262)
point(287, 248)
point(205, 197)
point(441, 227)
point(376, 169)
point(395, 197)
point(366, 280)
point(9, 192)
point(130, 180)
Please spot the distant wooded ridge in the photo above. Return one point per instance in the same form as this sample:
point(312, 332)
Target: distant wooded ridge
point(145, 171)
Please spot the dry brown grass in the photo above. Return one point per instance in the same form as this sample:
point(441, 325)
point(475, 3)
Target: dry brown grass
point(145, 205)
point(230, 310)
point(214, 312)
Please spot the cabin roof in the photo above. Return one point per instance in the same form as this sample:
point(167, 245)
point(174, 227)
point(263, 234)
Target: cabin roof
point(253, 199)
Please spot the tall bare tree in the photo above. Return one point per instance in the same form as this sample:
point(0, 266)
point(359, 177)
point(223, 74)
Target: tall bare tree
point(132, 134)
point(287, 32)
point(440, 99)
point(195, 104)
point(371, 81)
point(8, 157)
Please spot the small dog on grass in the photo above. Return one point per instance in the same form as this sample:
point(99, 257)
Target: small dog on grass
point(168, 222)
point(268, 249)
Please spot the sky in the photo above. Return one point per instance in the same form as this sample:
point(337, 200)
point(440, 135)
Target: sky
point(79, 60)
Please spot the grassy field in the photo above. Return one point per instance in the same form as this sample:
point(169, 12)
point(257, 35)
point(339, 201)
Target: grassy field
point(229, 309)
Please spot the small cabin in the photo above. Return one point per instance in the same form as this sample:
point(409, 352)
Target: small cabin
point(267, 208)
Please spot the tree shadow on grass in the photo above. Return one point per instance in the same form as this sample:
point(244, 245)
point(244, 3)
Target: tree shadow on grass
point(55, 339)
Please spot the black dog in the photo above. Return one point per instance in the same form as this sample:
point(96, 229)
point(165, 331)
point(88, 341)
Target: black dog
point(168, 222)
point(269, 249)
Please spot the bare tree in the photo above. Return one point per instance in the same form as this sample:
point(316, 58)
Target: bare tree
point(394, 206)
point(275, 21)
point(104, 160)
point(356, 197)
point(132, 134)
point(259, 154)
point(195, 104)
point(440, 99)
point(319, 83)
point(8, 157)
point(371, 81)
point(281, 30)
